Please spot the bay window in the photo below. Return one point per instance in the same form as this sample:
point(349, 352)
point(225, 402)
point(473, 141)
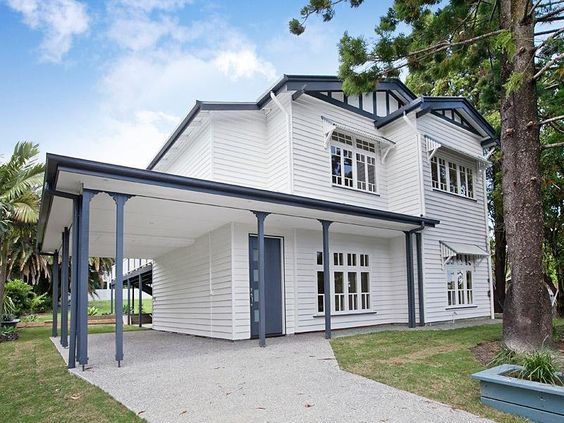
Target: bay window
point(460, 288)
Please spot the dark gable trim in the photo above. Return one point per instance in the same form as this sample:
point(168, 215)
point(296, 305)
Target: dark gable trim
point(56, 163)
point(340, 104)
point(383, 121)
point(453, 122)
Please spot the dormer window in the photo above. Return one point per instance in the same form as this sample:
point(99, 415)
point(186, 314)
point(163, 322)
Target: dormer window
point(353, 163)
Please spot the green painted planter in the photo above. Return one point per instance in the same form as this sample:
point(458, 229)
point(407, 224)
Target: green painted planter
point(539, 402)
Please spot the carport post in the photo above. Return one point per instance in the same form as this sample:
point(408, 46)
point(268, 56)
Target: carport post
point(261, 216)
point(128, 301)
point(65, 290)
point(55, 285)
point(140, 281)
point(120, 200)
point(84, 237)
point(326, 278)
point(410, 282)
point(74, 287)
point(111, 298)
point(420, 284)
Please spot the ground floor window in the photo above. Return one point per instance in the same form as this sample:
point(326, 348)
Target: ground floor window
point(350, 284)
point(460, 280)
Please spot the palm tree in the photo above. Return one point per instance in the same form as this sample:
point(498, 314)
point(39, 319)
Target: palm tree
point(21, 179)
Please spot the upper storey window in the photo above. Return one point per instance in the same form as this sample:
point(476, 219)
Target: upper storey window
point(452, 177)
point(353, 163)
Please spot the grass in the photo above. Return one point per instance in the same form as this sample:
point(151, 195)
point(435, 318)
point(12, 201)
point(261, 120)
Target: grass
point(436, 364)
point(36, 387)
point(103, 306)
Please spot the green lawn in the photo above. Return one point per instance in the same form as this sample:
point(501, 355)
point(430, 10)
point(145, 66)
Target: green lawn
point(436, 364)
point(104, 305)
point(35, 385)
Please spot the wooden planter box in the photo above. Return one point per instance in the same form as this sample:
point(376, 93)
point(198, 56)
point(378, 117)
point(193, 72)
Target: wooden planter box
point(146, 318)
point(536, 401)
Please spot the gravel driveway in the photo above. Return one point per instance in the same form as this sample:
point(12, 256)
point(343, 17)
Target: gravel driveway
point(178, 378)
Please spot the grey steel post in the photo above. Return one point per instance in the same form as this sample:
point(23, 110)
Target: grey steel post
point(140, 282)
point(65, 290)
point(326, 278)
point(410, 284)
point(84, 239)
point(261, 216)
point(55, 285)
point(111, 298)
point(74, 287)
point(118, 284)
point(128, 302)
point(420, 282)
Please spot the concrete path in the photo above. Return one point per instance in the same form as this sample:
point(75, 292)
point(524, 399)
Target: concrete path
point(177, 378)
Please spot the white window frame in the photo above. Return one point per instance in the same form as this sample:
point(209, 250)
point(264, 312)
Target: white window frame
point(463, 173)
point(460, 295)
point(345, 262)
point(355, 147)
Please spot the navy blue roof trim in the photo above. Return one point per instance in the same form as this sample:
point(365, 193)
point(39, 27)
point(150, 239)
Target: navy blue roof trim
point(288, 82)
point(428, 104)
point(55, 163)
point(338, 103)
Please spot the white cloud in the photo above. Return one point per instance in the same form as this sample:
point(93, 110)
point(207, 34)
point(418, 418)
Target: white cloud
point(243, 63)
point(59, 20)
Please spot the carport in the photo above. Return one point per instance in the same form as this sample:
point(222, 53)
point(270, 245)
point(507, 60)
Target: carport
point(93, 209)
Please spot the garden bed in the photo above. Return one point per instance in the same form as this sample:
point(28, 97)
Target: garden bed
point(500, 389)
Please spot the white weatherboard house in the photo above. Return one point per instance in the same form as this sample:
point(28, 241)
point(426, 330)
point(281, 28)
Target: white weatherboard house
point(350, 211)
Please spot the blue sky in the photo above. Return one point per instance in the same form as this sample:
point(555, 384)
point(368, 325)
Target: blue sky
point(110, 80)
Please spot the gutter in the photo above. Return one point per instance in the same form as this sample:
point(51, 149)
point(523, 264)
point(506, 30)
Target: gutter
point(419, 164)
point(290, 140)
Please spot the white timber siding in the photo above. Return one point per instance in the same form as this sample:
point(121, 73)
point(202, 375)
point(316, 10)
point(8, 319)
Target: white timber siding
point(462, 220)
point(403, 171)
point(312, 162)
point(192, 291)
point(191, 154)
point(388, 286)
point(278, 144)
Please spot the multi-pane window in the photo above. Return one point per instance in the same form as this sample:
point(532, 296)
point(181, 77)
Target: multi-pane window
point(452, 177)
point(460, 280)
point(350, 284)
point(359, 173)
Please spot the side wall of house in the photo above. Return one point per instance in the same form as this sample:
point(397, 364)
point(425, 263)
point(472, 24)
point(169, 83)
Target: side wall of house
point(192, 287)
point(192, 155)
point(462, 220)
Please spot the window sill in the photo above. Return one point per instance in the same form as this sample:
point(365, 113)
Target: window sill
point(455, 195)
point(350, 313)
point(377, 194)
point(461, 307)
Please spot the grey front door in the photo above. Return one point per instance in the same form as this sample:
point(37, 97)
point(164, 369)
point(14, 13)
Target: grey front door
point(273, 285)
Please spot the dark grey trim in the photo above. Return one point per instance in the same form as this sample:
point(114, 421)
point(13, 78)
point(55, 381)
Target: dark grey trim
point(383, 121)
point(374, 105)
point(120, 201)
point(261, 216)
point(74, 287)
point(360, 101)
point(469, 128)
point(140, 305)
point(410, 282)
point(420, 281)
point(326, 278)
point(65, 289)
point(83, 244)
point(340, 104)
point(387, 103)
point(55, 164)
point(55, 292)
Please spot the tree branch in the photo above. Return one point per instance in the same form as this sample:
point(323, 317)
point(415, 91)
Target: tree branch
point(548, 65)
point(443, 45)
point(555, 34)
point(555, 145)
point(543, 18)
point(552, 119)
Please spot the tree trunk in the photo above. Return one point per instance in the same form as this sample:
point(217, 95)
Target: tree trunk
point(527, 320)
point(500, 249)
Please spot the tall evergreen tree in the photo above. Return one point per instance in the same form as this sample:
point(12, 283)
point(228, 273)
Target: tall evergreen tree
point(448, 40)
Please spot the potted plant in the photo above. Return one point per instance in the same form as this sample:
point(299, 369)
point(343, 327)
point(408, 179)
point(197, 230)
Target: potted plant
point(534, 390)
point(8, 319)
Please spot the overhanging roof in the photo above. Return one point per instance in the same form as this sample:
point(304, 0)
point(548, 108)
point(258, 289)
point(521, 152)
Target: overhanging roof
point(457, 248)
point(153, 189)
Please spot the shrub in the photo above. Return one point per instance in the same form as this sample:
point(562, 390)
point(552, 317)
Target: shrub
point(93, 311)
point(21, 294)
point(30, 318)
point(9, 310)
point(504, 356)
point(540, 367)
point(39, 303)
point(8, 334)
